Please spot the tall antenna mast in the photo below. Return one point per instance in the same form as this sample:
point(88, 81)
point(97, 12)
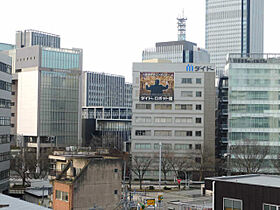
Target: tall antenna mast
point(181, 26)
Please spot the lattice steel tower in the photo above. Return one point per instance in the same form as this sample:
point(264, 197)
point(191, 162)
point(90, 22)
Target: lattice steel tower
point(181, 26)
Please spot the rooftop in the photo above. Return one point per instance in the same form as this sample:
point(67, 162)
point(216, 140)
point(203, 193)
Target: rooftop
point(253, 58)
point(16, 203)
point(251, 179)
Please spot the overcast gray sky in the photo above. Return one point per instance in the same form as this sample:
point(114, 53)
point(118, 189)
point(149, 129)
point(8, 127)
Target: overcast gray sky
point(113, 33)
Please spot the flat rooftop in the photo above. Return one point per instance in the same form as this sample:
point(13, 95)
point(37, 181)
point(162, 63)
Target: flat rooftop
point(251, 179)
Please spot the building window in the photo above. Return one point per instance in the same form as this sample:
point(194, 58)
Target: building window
point(183, 120)
point(198, 146)
point(182, 146)
point(115, 192)
point(198, 93)
point(143, 106)
point(163, 119)
point(116, 170)
point(183, 106)
point(270, 207)
point(198, 107)
point(183, 133)
point(232, 204)
point(163, 147)
point(143, 119)
point(198, 120)
point(186, 94)
point(198, 80)
point(186, 80)
point(143, 146)
point(163, 106)
point(198, 133)
point(142, 133)
point(198, 159)
point(162, 133)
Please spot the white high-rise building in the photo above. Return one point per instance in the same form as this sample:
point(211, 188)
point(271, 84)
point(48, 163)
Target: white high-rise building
point(233, 26)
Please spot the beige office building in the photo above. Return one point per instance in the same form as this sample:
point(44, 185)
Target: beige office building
point(173, 104)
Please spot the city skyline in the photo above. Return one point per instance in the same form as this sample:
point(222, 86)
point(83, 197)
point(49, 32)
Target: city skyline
point(120, 30)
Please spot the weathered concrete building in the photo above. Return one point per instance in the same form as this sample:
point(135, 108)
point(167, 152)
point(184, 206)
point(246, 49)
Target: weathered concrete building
point(86, 181)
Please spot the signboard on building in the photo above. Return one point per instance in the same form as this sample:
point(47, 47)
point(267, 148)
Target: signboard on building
point(151, 202)
point(156, 86)
point(199, 68)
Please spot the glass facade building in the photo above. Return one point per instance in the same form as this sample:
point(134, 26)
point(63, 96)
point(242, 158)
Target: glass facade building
point(4, 46)
point(254, 99)
point(59, 106)
point(51, 78)
point(235, 26)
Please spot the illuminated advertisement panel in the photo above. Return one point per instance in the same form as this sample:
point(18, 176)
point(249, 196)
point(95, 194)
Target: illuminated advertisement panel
point(156, 86)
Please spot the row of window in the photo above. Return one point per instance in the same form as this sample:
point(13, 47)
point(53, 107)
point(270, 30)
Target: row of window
point(169, 106)
point(5, 68)
point(180, 120)
point(60, 195)
point(235, 204)
point(5, 156)
point(166, 133)
point(190, 80)
point(5, 121)
point(148, 146)
point(4, 103)
point(5, 85)
point(4, 174)
point(4, 139)
point(26, 59)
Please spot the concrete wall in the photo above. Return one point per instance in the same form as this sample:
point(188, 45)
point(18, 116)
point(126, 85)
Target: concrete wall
point(27, 107)
point(97, 185)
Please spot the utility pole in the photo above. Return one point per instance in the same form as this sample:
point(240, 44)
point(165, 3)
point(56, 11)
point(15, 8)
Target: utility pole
point(159, 171)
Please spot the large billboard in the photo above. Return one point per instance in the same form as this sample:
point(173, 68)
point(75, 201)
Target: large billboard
point(156, 86)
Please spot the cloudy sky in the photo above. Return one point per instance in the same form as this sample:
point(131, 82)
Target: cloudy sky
point(113, 33)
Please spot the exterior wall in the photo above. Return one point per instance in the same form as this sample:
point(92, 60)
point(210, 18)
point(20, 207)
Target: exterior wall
point(253, 197)
point(59, 204)
point(97, 185)
point(27, 103)
point(207, 113)
point(106, 90)
point(28, 38)
point(5, 115)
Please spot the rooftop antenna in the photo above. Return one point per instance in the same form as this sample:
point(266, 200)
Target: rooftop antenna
point(181, 26)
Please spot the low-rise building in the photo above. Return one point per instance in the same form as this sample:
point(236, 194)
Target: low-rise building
point(249, 192)
point(85, 180)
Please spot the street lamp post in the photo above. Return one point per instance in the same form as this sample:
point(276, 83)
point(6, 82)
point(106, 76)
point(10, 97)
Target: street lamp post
point(159, 171)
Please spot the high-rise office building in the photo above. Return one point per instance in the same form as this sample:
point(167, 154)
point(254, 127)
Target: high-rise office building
point(5, 120)
point(107, 102)
point(28, 38)
point(46, 96)
point(253, 114)
point(233, 26)
point(106, 90)
point(173, 104)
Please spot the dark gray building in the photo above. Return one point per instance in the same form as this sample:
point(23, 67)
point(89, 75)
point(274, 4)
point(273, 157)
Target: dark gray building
point(5, 119)
point(28, 38)
point(246, 192)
